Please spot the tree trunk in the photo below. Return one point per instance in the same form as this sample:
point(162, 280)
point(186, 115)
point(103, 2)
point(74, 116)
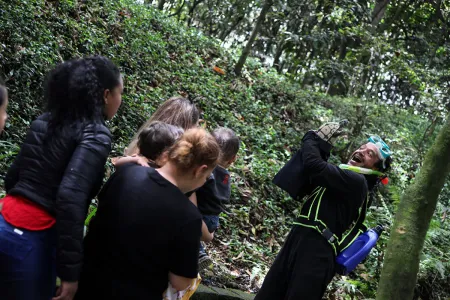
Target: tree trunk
point(225, 33)
point(178, 12)
point(248, 47)
point(191, 11)
point(161, 4)
point(278, 53)
point(378, 12)
point(412, 220)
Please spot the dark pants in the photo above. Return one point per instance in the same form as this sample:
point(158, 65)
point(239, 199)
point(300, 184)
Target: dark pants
point(302, 270)
point(212, 222)
point(27, 263)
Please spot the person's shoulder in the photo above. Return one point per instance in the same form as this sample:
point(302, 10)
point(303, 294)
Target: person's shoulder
point(96, 132)
point(133, 171)
point(40, 123)
point(352, 174)
point(359, 182)
point(134, 168)
point(356, 178)
point(135, 177)
point(97, 128)
point(220, 171)
point(192, 214)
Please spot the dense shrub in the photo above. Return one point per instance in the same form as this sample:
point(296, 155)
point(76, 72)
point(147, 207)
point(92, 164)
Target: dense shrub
point(160, 58)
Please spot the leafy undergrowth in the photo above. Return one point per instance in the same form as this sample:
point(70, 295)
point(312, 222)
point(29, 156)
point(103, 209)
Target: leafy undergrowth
point(158, 59)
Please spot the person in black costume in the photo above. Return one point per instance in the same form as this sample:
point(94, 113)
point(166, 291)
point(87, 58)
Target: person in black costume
point(337, 198)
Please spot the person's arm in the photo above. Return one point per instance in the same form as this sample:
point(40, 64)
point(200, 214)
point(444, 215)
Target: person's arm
point(183, 266)
point(81, 177)
point(320, 171)
point(180, 283)
point(206, 235)
point(140, 160)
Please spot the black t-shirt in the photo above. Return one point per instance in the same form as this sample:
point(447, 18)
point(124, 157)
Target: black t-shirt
point(145, 227)
point(215, 192)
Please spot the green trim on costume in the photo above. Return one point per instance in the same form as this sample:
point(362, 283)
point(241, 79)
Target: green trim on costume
point(318, 205)
point(361, 170)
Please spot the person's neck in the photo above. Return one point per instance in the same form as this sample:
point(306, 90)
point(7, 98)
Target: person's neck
point(171, 174)
point(224, 164)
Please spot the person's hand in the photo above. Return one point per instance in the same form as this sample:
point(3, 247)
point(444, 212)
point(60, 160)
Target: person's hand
point(66, 291)
point(142, 161)
point(114, 160)
point(330, 131)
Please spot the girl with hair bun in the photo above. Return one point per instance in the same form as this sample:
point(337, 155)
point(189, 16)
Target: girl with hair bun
point(58, 170)
point(146, 230)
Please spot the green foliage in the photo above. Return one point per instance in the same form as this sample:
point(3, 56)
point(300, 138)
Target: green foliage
point(160, 58)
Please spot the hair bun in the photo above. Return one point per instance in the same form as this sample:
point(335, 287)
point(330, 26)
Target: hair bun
point(185, 153)
point(195, 147)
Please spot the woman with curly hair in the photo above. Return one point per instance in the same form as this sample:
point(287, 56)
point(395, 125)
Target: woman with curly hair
point(58, 170)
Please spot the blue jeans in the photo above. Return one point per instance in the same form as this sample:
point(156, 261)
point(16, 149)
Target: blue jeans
point(212, 222)
point(27, 263)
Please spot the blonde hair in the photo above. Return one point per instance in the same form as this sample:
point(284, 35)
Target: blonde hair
point(196, 147)
point(177, 111)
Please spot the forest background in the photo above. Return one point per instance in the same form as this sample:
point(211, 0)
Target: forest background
point(384, 65)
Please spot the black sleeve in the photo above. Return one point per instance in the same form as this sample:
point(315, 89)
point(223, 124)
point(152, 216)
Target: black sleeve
point(85, 169)
point(323, 173)
point(185, 247)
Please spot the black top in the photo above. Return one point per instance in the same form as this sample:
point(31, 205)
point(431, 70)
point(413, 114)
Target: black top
point(345, 191)
point(215, 192)
point(145, 227)
point(62, 175)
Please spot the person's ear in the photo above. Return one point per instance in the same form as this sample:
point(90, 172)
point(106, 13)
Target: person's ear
point(199, 171)
point(106, 94)
point(162, 159)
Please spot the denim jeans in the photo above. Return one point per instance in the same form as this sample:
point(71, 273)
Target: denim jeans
point(212, 222)
point(27, 263)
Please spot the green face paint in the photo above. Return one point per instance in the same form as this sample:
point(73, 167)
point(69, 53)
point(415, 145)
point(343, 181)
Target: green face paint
point(360, 170)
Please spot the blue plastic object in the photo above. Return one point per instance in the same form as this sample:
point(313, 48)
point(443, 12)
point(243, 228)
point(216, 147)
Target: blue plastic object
point(348, 259)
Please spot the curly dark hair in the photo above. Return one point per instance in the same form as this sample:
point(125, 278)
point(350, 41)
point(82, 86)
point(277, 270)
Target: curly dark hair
point(74, 90)
point(2, 91)
point(387, 165)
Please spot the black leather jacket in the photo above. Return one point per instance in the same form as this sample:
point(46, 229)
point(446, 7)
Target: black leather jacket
point(62, 175)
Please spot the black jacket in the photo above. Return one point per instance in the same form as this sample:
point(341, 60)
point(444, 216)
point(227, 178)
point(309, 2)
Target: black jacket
point(345, 191)
point(216, 192)
point(62, 174)
point(292, 177)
